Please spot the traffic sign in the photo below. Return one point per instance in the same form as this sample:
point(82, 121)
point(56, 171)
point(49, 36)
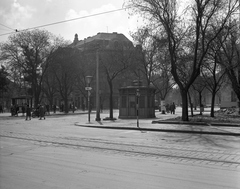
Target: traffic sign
point(88, 88)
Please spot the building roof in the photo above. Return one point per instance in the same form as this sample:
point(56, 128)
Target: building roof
point(102, 38)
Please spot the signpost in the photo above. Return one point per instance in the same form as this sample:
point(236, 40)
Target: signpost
point(137, 95)
point(88, 89)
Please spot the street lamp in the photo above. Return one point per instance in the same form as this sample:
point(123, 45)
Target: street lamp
point(88, 89)
point(97, 88)
point(138, 95)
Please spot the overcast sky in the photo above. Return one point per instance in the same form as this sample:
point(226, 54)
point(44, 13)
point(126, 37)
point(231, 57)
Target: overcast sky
point(22, 14)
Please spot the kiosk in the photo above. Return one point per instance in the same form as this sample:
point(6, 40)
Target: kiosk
point(137, 101)
point(21, 102)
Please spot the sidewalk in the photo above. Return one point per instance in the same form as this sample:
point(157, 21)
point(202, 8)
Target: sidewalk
point(160, 124)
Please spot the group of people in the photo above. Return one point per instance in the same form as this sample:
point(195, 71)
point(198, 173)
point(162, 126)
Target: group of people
point(15, 110)
point(170, 108)
point(40, 111)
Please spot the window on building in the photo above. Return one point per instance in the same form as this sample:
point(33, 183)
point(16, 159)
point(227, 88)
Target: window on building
point(124, 101)
point(142, 102)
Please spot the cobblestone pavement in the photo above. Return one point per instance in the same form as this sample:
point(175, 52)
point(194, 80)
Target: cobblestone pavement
point(59, 153)
point(59, 131)
point(172, 152)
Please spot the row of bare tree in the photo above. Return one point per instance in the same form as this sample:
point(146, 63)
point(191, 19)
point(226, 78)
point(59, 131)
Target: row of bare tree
point(188, 47)
point(192, 41)
point(50, 67)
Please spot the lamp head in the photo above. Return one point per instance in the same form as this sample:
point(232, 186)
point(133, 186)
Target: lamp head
point(88, 79)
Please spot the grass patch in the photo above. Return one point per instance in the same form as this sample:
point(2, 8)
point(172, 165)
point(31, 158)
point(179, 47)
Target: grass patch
point(219, 118)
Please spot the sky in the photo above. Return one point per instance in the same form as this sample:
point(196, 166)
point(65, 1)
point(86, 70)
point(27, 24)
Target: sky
point(23, 14)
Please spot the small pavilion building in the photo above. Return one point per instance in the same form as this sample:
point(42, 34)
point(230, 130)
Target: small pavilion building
point(137, 100)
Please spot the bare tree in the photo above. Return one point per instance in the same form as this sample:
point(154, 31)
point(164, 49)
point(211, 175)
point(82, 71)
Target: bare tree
point(199, 85)
point(86, 67)
point(26, 54)
point(213, 74)
point(113, 63)
point(186, 32)
point(64, 65)
point(49, 81)
point(154, 62)
point(148, 54)
point(229, 55)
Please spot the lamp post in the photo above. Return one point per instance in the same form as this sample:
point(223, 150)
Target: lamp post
point(88, 89)
point(97, 88)
point(138, 95)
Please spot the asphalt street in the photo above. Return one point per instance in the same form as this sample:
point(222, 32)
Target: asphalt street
point(64, 152)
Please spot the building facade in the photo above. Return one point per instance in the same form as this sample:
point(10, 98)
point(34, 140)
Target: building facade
point(109, 55)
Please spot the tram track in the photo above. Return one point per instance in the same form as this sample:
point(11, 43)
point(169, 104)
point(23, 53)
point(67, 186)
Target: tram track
point(175, 153)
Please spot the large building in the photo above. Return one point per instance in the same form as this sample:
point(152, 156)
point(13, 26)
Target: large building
point(104, 40)
point(113, 51)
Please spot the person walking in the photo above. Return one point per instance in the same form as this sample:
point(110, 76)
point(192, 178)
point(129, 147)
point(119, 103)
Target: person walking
point(41, 112)
point(172, 108)
point(12, 110)
point(16, 110)
point(167, 108)
point(54, 108)
point(73, 107)
point(28, 113)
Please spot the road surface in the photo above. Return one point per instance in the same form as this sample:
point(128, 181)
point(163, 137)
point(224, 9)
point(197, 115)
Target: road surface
point(54, 153)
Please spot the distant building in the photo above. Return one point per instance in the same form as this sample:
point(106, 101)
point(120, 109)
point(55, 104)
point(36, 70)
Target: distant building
point(228, 97)
point(225, 97)
point(103, 40)
point(109, 45)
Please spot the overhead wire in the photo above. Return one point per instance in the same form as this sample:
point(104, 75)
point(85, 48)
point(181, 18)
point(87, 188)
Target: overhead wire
point(6, 26)
point(63, 21)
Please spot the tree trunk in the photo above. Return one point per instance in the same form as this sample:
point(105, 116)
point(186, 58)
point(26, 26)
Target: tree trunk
point(200, 98)
point(184, 105)
point(191, 105)
point(66, 105)
point(36, 99)
point(51, 103)
point(65, 98)
point(110, 100)
point(213, 103)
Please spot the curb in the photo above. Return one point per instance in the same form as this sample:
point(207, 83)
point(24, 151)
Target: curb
point(197, 123)
point(158, 130)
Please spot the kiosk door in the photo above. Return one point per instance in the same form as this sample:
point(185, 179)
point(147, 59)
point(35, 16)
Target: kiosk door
point(132, 105)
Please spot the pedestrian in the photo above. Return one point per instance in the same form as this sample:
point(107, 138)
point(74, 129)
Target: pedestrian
point(28, 113)
point(167, 108)
point(41, 112)
point(38, 110)
point(73, 107)
point(172, 108)
point(54, 108)
point(12, 110)
point(16, 110)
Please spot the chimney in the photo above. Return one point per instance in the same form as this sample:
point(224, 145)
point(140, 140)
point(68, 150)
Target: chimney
point(75, 39)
